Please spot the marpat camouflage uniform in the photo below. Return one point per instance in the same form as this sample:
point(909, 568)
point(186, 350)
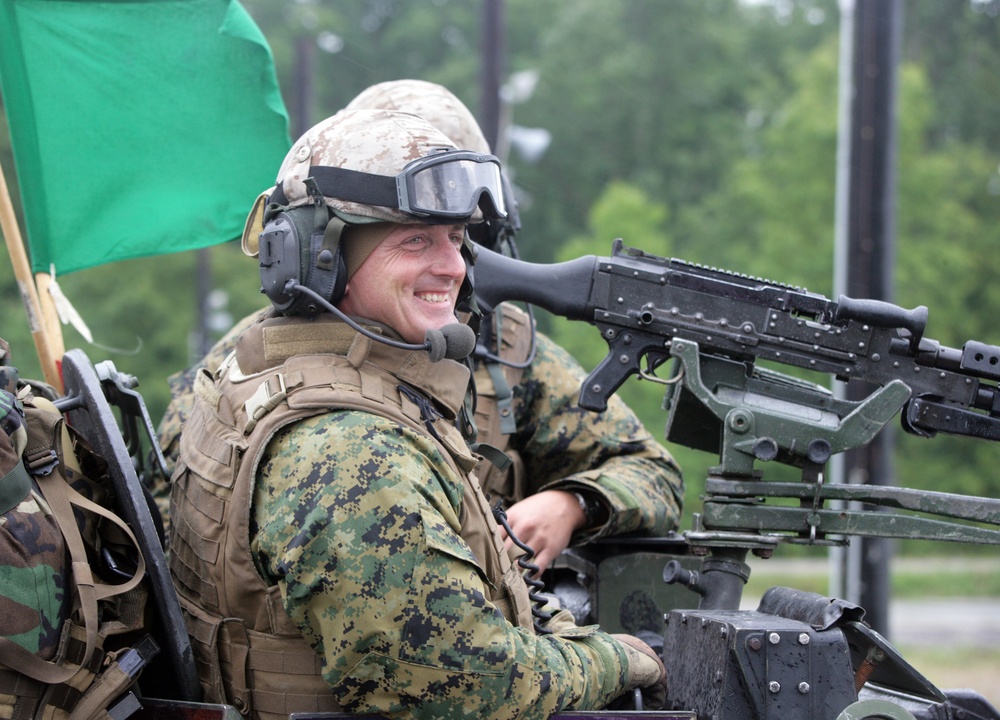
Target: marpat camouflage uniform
point(362, 520)
point(360, 528)
point(556, 444)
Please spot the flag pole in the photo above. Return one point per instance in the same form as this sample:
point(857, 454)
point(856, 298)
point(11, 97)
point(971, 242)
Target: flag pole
point(44, 344)
point(50, 316)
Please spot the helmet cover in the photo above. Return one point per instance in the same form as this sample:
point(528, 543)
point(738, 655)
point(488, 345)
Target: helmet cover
point(378, 142)
point(434, 103)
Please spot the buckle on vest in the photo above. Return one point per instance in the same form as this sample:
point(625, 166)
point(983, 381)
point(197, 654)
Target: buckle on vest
point(263, 401)
point(41, 462)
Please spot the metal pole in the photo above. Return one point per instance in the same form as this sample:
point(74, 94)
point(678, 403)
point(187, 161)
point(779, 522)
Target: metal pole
point(838, 570)
point(492, 70)
point(871, 240)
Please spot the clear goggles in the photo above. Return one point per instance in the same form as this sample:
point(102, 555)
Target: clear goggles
point(448, 185)
point(451, 184)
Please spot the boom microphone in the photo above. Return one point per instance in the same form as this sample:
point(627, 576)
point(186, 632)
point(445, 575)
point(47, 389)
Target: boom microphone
point(455, 342)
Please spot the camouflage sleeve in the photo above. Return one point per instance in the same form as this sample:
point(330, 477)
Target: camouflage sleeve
point(610, 453)
point(34, 599)
point(357, 519)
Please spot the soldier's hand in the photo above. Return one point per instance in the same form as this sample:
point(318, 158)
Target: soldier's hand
point(645, 671)
point(545, 522)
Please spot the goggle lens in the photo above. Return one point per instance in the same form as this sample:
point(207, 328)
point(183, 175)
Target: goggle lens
point(452, 186)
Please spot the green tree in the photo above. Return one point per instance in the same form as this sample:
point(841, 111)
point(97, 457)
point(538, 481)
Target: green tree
point(649, 92)
point(773, 215)
point(339, 49)
point(655, 93)
point(958, 45)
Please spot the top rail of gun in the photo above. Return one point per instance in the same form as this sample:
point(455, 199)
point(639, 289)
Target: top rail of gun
point(723, 283)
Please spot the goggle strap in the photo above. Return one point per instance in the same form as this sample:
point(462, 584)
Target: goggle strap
point(355, 186)
point(348, 185)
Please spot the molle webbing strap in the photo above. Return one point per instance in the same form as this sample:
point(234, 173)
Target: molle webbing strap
point(324, 249)
point(56, 492)
point(495, 456)
point(111, 683)
point(233, 646)
point(19, 685)
point(504, 398)
point(285, 703)
point(61, 696)
point(271, 662)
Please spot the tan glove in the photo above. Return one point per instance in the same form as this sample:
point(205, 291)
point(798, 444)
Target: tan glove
point(645, 671)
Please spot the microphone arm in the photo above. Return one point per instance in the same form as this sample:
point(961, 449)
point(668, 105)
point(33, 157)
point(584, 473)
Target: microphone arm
point(454, 342)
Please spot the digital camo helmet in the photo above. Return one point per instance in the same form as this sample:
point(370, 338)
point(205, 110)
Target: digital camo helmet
point(441, 108)
point(358, 167)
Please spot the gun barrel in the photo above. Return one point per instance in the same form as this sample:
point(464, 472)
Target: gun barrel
point(561, 288)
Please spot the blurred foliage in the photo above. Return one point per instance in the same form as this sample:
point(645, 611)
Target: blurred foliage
point(939, 578)
point(701, 129)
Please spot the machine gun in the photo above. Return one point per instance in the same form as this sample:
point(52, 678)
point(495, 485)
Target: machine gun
point(717, 325)
point(725, 332)
point(643, 304)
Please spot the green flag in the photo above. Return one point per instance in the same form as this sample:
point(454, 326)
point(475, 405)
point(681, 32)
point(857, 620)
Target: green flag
point(139, 127)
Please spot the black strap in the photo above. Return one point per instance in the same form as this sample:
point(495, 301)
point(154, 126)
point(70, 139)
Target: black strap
point(494, 455)
point(349, 185)
point(428, 413)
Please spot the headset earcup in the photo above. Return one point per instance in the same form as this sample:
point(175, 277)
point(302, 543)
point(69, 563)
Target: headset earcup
point(302, 247)
point(279, 257)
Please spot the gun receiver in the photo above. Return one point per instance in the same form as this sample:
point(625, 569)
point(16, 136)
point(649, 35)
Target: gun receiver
point(642, 303)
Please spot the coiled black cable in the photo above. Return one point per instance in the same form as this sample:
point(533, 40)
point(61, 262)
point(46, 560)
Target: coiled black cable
point(529, 569)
